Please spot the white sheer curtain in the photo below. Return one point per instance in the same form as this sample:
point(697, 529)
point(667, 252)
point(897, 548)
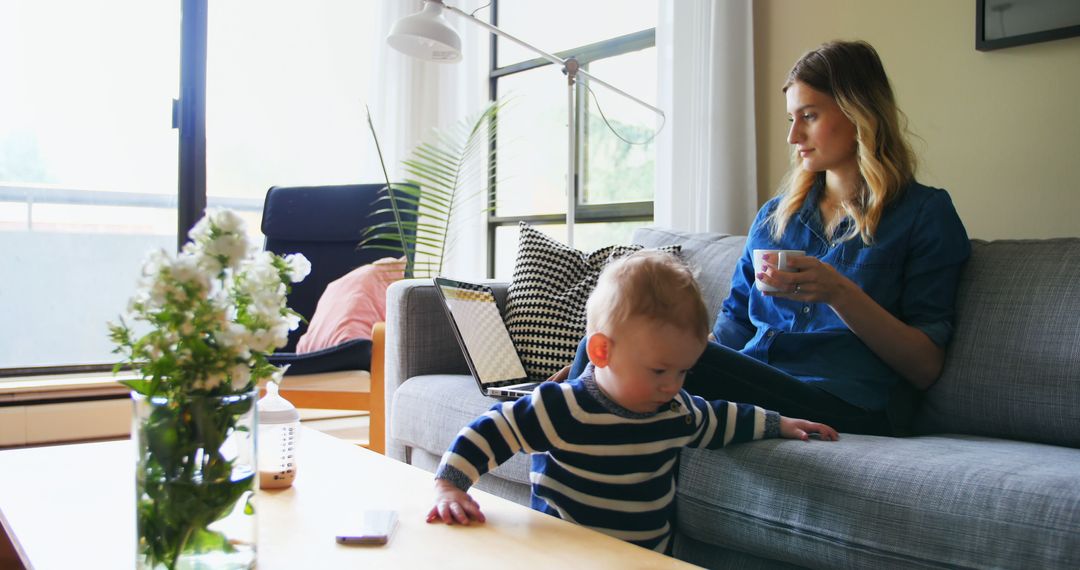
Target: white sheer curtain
point(411, 97)
point(706, 160)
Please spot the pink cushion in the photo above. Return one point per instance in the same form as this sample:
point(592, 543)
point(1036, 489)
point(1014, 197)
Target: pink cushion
point(351, 305)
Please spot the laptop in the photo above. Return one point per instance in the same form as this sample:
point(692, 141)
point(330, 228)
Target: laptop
point(482, 335)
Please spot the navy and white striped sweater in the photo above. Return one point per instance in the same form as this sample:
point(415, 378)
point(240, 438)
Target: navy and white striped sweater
point(594, 462)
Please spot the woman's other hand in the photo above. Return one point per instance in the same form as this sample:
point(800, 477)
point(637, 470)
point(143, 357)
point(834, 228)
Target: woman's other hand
point(560, 375)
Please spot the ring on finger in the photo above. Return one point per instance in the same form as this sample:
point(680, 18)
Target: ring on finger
point(798, 288)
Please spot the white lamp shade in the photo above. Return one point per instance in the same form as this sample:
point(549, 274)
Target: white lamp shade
point(426, 35)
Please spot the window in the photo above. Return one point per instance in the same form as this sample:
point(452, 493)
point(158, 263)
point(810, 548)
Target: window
point(88, 177)
point(286, 84)
point(88, 156)
point(615, 41)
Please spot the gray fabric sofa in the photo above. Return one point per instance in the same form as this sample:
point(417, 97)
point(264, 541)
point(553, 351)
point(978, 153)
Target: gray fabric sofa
point(991, 477)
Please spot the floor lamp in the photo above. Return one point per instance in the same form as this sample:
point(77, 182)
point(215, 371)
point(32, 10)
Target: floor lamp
point(426, 35)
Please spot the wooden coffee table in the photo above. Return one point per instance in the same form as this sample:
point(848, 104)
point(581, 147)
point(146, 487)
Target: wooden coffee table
point(72, 506)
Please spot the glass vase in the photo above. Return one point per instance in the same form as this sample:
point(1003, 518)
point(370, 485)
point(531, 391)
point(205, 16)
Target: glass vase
point(195, 481)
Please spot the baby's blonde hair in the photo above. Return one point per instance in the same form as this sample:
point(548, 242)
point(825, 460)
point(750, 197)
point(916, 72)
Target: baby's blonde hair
point(650, 284)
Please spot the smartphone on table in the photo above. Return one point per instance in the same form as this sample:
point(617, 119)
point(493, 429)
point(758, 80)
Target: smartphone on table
point(376, 528)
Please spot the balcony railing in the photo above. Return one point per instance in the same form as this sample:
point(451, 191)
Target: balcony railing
point(31, 194)
point(61, 257)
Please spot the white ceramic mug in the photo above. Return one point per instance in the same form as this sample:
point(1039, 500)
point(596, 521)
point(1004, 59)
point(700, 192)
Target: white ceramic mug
point(782, 256)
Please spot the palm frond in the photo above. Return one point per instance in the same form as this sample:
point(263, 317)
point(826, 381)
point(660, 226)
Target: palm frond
point(451, 168)
point(390, 192)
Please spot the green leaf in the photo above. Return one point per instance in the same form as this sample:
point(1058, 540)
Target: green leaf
point(139, 385)
point(389, 188)
point(203, 540)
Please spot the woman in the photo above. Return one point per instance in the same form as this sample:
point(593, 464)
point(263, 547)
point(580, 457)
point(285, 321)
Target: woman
point(865, 315)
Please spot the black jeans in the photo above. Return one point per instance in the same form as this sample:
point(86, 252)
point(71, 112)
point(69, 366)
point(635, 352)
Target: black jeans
point(725, 374)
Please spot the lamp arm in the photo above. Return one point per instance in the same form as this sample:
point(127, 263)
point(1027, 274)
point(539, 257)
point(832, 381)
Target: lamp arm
point(552, 58)
point(592, 77)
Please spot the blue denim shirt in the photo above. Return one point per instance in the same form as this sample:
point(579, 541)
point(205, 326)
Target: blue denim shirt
point(911, 270)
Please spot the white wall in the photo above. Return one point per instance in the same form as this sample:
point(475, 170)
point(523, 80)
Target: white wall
point(999, 130)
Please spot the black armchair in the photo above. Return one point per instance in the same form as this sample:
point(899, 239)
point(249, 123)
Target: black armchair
point(325, 223)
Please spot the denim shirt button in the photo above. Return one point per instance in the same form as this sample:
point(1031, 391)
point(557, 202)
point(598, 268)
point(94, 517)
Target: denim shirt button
point(806, 309)
point(770, 334)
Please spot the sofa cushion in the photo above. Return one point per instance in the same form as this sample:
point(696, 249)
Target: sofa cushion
point(351, 305)
point(1011, 369)
point(434, 408)
point(713, 257)
point(545, 304)
point(865, 501)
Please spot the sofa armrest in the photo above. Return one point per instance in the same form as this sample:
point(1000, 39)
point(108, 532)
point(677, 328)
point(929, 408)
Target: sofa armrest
point(419, 339)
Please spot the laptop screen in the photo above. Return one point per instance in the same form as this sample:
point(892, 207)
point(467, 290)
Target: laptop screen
point(481, 329)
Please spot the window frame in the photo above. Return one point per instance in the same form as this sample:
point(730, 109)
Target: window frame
point(583, 213)
point(189, 118)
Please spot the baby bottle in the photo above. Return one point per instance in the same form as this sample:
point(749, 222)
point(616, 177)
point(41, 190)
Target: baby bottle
point(279, 427)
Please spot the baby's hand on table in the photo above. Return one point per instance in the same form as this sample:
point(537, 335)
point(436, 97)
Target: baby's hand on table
point(794, 428)
point(452, 505)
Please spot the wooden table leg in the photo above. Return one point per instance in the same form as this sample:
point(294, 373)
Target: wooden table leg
point(9, 557)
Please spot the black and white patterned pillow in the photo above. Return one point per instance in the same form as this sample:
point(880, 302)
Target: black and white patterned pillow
point(545, 305)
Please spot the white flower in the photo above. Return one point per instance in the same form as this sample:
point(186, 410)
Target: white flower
point(152, 287)
point(236, 338)
point(186, 270)
point(280, 330)
point(262, 284)
point(212, 265)
point(220, 290)
point(226, 220)
point(158, 293)
point(262, 340)
point(299, 267)
point(199, 234)
point(241, 375)
point(292, 320)
point(154, 261)
point(218, 241)
point(229, 248)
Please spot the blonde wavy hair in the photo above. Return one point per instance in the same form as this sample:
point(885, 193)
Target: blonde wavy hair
point(652, 284)
point(852, 74)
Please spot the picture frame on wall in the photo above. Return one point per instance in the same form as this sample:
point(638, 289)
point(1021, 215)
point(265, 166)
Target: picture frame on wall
point(1007, 23)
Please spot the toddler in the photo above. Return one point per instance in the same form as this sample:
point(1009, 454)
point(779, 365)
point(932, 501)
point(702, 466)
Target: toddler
point(604, 445)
